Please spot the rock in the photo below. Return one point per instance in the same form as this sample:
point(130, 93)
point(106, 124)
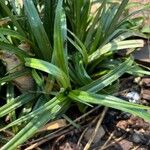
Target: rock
point(133, 97)
point(101, 132)
point(136, 138)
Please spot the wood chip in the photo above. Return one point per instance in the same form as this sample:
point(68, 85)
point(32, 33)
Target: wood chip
point(145, 94)
point(145, 82)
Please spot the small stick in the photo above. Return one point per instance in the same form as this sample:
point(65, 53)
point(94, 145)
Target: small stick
point(88, 145)
point(136, 147)
point(81, 137)
point(93, 121)
point(116, 140)
point(56, 142)
point(110, 137)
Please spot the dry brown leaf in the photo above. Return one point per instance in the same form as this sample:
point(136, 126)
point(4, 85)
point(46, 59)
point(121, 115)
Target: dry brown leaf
point(54, 125)
point(13, 64)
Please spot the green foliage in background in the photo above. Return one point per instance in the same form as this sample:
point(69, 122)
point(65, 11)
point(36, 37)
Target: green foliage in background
point(71, 60)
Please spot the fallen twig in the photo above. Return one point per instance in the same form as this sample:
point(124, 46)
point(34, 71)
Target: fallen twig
point(108, 140)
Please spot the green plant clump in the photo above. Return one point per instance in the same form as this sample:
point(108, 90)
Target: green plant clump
point(55, 53)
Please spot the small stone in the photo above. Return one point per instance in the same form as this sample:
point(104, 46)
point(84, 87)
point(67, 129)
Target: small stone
point(137, 80)
point(101, 132)
point(133, 97)
point(138, 138)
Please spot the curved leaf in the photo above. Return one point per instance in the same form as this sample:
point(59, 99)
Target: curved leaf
point(17, 102)
point(48, 68)
point(114, 46)
point(106, 80)
point(110, 101)
point(38, 30)
point(36, 123)
point(13, 33)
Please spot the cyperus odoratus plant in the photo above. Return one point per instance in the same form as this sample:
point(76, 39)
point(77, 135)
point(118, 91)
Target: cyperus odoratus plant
point(71, 60)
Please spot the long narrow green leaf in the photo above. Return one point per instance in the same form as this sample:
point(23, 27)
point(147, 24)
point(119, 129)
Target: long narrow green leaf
point(45, 107)
point(13, 33)
point(79, 46)
point(48, 68)
point(96, 41)
point(77, 5)
point(104, 99)
point(110, 101)
point(138, 71)
point(60, 56)
point(82, 75)
point(114, 46)
point(117, 16)
point(31, 128)
point(129, 34)
point(17, 102)
point(84, 18)
point(109, 78)
point(10, 97)
point(38, 30)
point(94, 22)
